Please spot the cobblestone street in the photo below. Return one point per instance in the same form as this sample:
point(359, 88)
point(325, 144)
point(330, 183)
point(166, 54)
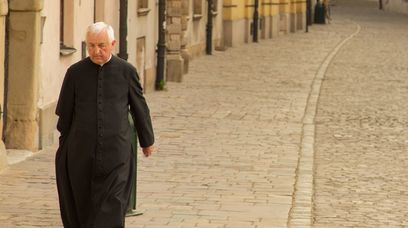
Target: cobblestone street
point(361, 175)
point(303, 130)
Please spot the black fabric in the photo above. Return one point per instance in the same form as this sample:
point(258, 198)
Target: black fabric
point(94, 162)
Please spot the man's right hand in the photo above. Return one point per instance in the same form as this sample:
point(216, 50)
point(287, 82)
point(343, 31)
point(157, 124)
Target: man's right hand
point(147, 151)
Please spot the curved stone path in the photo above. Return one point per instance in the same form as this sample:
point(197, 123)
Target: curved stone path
point(301, 212)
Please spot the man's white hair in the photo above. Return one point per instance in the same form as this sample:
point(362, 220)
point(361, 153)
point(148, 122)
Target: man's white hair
point(99, 27)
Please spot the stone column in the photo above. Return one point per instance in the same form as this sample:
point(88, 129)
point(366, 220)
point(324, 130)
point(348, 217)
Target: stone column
point(284, 16)
point(301, 15)
point(3, 13)
point(184, 22)
point(22, 130)
point(293, 14)
point(175, 62)
point(275, 18)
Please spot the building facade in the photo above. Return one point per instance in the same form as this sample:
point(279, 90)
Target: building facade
point(40, 39)
point(275, 17)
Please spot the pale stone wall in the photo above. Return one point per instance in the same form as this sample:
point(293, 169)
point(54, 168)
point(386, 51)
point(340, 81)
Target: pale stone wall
point(22, 130)
point(3, 13)
point(276, 17)
point(218, 27)
point(174, 22)
point(142, 23)
point(234, 32)
point(196, 32)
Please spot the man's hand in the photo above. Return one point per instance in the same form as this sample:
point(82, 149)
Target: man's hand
point(147, 151)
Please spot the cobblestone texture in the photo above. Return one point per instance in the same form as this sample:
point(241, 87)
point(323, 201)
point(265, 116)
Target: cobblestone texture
point(229, 136)
point(361, 158)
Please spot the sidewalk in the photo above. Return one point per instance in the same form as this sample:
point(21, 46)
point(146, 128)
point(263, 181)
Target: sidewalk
point(228, 142)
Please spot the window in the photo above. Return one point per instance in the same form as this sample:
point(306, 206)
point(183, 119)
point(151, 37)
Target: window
point(142, 4)
point(99, 12)
point(143, 7)
point(215, 6)
point(66, 27)
point(197, 9)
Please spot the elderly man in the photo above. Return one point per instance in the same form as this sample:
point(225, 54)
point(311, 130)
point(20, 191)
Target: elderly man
point(94, 161)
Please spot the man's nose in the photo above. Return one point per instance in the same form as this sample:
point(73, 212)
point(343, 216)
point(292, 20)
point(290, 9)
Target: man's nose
point(97, 50)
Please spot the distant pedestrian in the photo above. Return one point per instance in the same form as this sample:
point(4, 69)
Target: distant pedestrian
point(95, 161)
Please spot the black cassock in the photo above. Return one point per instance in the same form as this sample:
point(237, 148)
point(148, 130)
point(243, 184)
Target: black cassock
point(95, 161)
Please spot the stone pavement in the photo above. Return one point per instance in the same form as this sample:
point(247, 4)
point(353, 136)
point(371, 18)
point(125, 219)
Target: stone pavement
point(361, 150)
point(231, 138)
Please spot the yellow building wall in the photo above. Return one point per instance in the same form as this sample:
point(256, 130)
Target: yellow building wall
point(265, 8)
point(284, 6)
point(240, 9)
point(234, 9)
point(292, 6)
point(249, 8)
point(275, 7)
point(301, 6)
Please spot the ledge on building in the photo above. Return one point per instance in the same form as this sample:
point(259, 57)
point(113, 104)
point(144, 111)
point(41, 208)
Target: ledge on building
point(65, 50)
point(197, 17)
point(143, 11)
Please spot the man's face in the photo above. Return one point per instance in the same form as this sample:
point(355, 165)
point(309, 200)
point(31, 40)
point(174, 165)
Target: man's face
point(99, 47)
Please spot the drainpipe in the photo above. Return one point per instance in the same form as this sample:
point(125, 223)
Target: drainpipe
point(123, 11)
point(161, 46)
point(255, 23)
point(308, 14)
point(209, 27)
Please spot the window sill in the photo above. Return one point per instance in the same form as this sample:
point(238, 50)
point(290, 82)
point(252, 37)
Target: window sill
point(65, 51)
point(197, 17)
point(143, 11)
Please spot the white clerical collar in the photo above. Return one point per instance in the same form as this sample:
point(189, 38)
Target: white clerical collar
point(106, 61)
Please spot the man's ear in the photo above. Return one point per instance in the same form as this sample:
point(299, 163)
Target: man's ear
point(113, 43)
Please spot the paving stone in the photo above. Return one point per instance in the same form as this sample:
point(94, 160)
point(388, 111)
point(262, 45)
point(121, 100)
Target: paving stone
point(362, 126)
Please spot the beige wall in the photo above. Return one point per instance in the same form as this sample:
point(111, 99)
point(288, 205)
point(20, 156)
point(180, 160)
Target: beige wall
point(3, 12)
point(142, 24)
point(218, 32)
point(196, 29)
point(23, 82)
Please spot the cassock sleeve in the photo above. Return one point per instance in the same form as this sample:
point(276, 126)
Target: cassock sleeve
point(65, 107)
point(140, 112)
